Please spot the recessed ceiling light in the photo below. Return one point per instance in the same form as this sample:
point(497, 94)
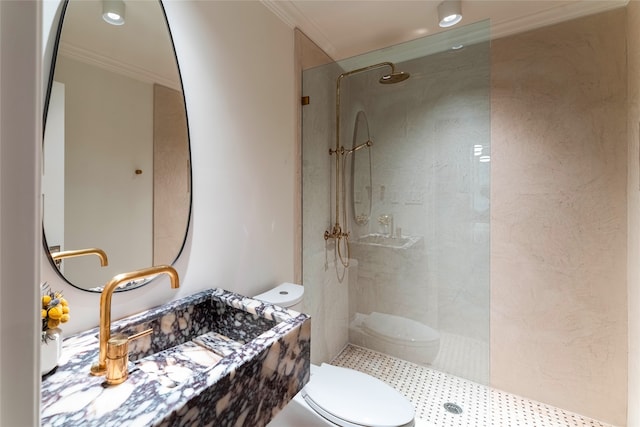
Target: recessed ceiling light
point(449, 13)
point(113, 11)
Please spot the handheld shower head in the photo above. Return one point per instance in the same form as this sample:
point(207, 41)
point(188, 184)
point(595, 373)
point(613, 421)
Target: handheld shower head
point(394, 77)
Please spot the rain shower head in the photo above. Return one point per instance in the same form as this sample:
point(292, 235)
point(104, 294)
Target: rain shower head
point(394, 77)
point(337, 232)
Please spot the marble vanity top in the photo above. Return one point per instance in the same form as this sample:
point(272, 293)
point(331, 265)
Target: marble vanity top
point(214, 358)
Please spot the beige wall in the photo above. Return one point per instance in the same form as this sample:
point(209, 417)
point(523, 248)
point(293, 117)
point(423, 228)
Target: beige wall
point(633, 208)
point(171, 179)
point(559, 219)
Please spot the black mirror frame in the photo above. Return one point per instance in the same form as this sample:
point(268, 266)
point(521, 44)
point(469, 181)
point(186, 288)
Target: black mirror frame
point(47, 98)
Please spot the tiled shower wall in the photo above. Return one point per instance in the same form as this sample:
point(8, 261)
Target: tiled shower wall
point(428, 175)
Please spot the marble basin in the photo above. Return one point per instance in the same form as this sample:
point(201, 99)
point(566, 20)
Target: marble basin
point(214, 358)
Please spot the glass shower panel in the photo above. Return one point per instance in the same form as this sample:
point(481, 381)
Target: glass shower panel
point(418, 280)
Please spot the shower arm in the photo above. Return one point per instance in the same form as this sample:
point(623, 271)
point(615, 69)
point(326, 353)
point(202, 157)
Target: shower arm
point(337, 232)
point(369, 143)
point(339, 149)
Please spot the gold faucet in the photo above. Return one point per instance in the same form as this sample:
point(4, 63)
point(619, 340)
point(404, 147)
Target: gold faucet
point(81, 252)
point(100, 368)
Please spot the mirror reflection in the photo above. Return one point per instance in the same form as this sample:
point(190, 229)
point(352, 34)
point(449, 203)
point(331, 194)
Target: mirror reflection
point(116, 170)
point(361, 184)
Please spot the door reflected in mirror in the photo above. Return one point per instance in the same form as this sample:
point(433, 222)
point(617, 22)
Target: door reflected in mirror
point(116, 170)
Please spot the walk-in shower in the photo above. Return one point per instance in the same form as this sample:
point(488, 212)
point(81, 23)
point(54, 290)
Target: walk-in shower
point(339, 230)
point(403, 206)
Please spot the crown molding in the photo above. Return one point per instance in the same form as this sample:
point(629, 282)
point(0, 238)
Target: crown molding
point(289, 13)
point(129, 70)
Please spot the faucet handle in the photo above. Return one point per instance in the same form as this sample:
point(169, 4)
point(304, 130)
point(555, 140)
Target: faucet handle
point(118, 356)
point(141, 334)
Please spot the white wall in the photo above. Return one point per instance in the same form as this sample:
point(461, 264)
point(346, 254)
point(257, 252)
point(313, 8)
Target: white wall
point(236, 60)
point(20, 141)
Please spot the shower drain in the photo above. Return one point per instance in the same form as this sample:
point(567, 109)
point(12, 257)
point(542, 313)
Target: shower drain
point(453, 408)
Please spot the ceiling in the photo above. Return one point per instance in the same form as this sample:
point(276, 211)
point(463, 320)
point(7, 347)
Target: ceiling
point(345, 28)
point(141, 49)
point(342, 28)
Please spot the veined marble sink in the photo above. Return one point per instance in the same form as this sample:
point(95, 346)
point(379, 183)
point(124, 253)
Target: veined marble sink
point(214, 358)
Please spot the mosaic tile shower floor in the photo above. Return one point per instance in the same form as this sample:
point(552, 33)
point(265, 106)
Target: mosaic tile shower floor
point(482, 406)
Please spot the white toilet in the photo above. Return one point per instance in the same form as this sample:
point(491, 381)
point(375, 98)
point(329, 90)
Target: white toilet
point(287, 295)
point(336, 396)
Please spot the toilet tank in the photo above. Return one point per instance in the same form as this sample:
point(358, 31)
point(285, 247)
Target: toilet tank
point(287, 295)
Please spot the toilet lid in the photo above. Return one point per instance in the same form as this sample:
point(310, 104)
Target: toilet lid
point(283, 295)
point(352, 399)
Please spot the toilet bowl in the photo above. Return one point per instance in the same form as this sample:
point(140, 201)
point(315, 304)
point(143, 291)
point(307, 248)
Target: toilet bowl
point(336, 396)
point(395, 335)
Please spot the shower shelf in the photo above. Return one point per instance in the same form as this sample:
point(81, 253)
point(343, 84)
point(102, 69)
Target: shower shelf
point(397, 242)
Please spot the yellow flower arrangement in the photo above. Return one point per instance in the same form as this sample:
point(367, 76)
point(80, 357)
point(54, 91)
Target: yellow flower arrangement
point(55, 309)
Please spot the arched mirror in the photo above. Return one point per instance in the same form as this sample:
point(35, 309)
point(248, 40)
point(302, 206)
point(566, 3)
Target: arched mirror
point(116, 169)
point(361, 184)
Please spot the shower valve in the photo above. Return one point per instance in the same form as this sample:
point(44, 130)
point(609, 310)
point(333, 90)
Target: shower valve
point(335, 233)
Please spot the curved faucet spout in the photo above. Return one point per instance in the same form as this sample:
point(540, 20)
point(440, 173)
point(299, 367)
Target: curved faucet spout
point(81, 252)
point(100, 368)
